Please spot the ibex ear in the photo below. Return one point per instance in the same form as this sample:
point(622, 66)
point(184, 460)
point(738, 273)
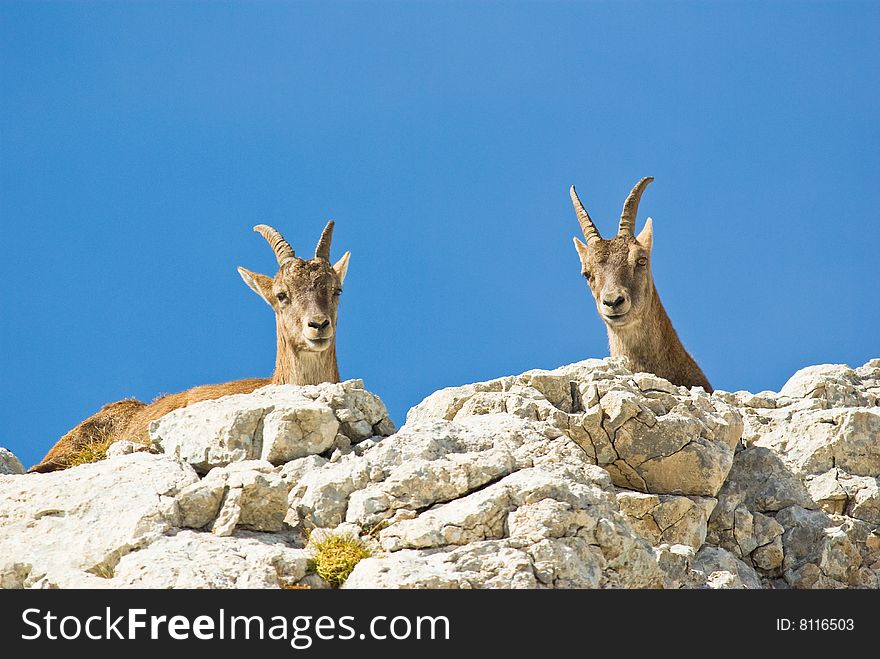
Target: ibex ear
point(260, 284)
point(646, 235)
point(582, 250)
point(341, 266)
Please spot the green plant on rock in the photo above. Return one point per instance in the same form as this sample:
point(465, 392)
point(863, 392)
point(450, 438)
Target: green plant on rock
point(335, 556)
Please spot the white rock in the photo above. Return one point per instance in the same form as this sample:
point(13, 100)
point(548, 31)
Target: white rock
point(502, 484)
point(815, 441)
point(125, 447)
point(277, 423)
point(248, 494)
point(199, 503)
point(837, 384)
point(56, 527)
point(521, 502)
point(229, 515)
point(649, 434)
point(864, 498)
point(189, 559)
point(9, 464)
point(424, 464)
point(563, 563)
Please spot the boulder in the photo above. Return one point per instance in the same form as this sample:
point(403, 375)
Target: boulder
point(667, 519)
point(815, 441)
point(717, 568)
point(9, 464)
point(55, 527)
point(818, 553)
point(276, 423)
point(649, 434)
point(837, 384)
point(840, 493)
point(485, 501)
point(248, 495)
point(188, 559)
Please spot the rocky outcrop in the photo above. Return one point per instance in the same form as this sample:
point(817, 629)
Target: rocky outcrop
point(650, 435)
point(587, 476)
point(187, 559)
point(817, 445)
point(70, 528)
point(276, 423)
point(9, 464)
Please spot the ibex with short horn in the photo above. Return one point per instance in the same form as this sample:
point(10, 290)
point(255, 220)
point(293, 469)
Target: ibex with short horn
point(304, 294)
point(618, 272)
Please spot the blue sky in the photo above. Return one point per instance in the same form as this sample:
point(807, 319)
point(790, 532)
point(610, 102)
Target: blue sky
point(140, 143)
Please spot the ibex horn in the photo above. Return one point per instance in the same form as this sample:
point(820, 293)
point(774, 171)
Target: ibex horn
point(283, 250)
point(587, 226)
point(322, 251)
point(631, 207)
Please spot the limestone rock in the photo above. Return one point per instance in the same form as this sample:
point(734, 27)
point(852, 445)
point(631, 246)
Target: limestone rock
point(840, 493)
point(760, 481)
point(124, 447)
point(276, 423)
point(667, 519)
point(485, 501)
point(9, 464)
point(837, 384)
point(818, 554)
point(199, 503)
point(424, 464)
point(650, 435)
point(717, 568)
point(586, 476)
point(189, 559)
point(815, 441)
point(675, 562)
point(246, 494)
point(56, 527)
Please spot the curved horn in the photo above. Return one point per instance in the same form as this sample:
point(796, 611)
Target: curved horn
point(283, 250)
point(631, 207)
point(587, 226)
point(322, 251)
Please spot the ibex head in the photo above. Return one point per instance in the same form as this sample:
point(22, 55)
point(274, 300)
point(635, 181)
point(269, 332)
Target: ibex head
point(618, 271)
point(304, 293)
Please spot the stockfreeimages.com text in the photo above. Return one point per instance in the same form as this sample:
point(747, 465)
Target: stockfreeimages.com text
point(301, 631)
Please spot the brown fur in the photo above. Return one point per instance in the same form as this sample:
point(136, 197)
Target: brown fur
point(304, 295)
point(109, 420)
point(619, 271)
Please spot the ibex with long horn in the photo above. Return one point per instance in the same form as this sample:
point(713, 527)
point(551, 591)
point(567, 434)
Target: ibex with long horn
point(304, 294)
point(618, 272)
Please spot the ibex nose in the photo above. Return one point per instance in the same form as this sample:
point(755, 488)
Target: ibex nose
point(319, 323)
point(613, 301)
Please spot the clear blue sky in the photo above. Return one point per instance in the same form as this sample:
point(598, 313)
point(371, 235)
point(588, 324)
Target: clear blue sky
point(140, 143)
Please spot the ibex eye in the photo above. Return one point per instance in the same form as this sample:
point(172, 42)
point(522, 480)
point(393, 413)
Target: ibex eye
point(282, 297)
point(642, 261)
point(588, 275)
point(338, 293)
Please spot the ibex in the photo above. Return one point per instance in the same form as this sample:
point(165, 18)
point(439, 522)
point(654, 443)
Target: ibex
point(304, 294)
point(618, 272)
